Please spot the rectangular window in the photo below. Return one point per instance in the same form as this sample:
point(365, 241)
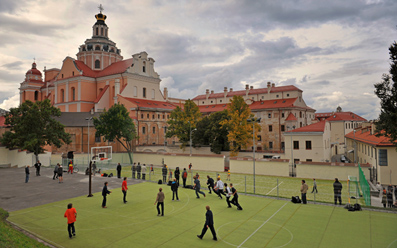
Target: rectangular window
point(270, 145)
point(141, 116)
point(147, 116)
point(382, 157)
point(97, 139)
point(144, 92)
point(269, 115)
point(154, 129)
point(143, 130)
point(270, 128)
point(259, 138)
point(309, 160)
point(282, 145)
point(282, 128)
point(308, 144)
point(296, 145)
point(282, 115)
point(143, 69)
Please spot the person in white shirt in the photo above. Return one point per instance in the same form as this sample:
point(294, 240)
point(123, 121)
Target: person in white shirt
point(228, 194)
point(219, 188)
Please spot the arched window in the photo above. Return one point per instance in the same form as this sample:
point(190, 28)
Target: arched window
point(97, 64)
point(73, 94)
point(135, 91)
point(144, 67)
point(97, 48)
point(36, 95)
point(62, 95)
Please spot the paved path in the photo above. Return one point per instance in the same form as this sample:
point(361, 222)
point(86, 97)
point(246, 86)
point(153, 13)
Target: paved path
point(15, 194)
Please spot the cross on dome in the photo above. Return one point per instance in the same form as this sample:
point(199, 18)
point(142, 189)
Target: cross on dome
point(100, 8)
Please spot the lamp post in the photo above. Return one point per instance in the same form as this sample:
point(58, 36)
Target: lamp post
point(355, 150)
point(165, 130)
point(292, 153)
point(253, 142)
point(88, 119)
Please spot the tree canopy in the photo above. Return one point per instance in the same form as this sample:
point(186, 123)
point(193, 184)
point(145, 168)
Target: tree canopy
point(211, 132)
point(386, 91)
point(32, 126)
point(240, 130)
point(182, 121)
point(116, 124)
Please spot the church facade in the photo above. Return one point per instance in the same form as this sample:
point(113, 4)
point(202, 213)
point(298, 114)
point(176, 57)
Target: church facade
point(100, 77)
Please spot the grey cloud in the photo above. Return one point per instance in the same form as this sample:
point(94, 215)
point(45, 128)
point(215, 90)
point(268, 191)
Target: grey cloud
point(17, 65)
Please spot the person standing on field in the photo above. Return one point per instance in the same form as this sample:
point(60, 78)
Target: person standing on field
point(143, 172)
point(105, 192)
point(133, 168)
point(174, 188)
point(209, 223)
point(60, 174)
point(160, 202)
point(184, 177)
point(304, 189)
point(124, 189)
point(151, 169)
point(138, 171)
point(55, 171)
point(37, 165)
point(70, 167)
point(164, 172)
point(118, 170)
point(177, 174)
point(71, 214)
point(337, 191)
point(314, 186)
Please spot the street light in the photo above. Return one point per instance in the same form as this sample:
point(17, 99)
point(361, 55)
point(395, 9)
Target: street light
point(355, 151)
point(190, 128)
point(292, 152)
point(88, 119)
point(253, 141)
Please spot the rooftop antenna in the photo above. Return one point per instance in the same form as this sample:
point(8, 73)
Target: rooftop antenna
point(100, 8)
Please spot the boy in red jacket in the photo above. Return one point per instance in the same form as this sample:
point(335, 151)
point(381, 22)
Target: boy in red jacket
point(124, 189)
point(71, 214)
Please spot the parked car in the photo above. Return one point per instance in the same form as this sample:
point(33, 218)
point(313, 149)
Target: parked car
point(343, 159)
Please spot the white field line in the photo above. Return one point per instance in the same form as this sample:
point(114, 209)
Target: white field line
point(261, 225)
point(274, 188)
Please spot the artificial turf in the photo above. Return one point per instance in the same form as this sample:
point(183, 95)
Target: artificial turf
point(263, 222)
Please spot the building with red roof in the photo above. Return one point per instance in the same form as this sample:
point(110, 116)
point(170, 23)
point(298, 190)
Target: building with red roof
point(364, 146)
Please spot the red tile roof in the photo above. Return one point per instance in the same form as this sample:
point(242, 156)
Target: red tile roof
point(212, 108)
point(251, 92)
point(316, 128)
point(101, 94)
point(115, 68)
point(150, 104)
point(364, 135)
point(270, 104)
point(291, 117)
point(339, 116)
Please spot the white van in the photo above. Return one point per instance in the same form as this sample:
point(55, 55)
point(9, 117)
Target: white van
point(276, 157)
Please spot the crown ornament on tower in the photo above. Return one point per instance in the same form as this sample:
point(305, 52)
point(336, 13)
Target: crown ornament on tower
point(100, 17)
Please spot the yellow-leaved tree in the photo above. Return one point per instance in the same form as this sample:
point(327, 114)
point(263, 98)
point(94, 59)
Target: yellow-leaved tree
point(240, 129)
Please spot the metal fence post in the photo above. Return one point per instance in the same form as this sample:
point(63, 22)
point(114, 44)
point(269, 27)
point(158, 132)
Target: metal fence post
point(245, 186)
point(277, 188)
point(314, 196)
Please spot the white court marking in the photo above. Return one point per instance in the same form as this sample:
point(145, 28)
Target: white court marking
point(290, 233)
point(274, 188)
point(262, 225)
point(392, 243)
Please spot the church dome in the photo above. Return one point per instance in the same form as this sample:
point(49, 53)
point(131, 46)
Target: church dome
point(34, 71)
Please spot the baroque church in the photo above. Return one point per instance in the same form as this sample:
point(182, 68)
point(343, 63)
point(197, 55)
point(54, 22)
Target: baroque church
point(100, 77)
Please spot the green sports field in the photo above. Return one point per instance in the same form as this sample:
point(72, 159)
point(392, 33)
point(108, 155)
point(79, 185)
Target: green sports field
point(264, 222)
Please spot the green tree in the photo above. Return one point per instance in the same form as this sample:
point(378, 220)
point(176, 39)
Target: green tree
point(211, 132)
point(387, 93)
point(240, 130)
point(32, 126)
point(116, 124)
point(182, 121)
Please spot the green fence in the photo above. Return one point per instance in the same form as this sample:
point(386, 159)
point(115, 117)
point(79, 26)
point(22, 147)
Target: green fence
point(364, 187)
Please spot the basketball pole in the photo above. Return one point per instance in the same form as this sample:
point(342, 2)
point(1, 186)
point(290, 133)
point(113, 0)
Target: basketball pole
point(90, 181)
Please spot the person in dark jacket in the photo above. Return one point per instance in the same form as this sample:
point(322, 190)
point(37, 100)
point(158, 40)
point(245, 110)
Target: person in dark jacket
point(234, 201)
point(60, 174)
point(210, 183)
point(337, 191)
point(118, 170)
point(177, 174)
point(55, 171)
point(389, 197)
point(164, 172)
point(37, 165)
point(138, 171)
point(174, 188)
point(27, 173)
point(209, 223)
point(133, 168)
point(105, 192)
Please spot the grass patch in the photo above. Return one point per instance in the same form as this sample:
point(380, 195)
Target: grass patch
point(10, 238)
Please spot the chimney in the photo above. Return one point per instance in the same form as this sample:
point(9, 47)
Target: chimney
point(207, 93)
point(224, 93)
point(166, 93)
point(269, 87)
point(212, 92)
point(251, 87)
point(247, 90)
point(268, 84)
point(273, 84)
point(246, 86)
point(231, 90)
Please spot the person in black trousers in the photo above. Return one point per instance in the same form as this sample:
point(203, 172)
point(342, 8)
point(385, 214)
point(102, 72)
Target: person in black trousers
point(184, 177)
point(133, 168)
point(164, 172)
point(105, 191)
point(235, 197)
point(27, 173)
point(37, 165)
point(337, 191)
point(209, 223)
point(138, 171)
point(210, 183)
point(177, 174)
point(174, 188)
point(118, 170)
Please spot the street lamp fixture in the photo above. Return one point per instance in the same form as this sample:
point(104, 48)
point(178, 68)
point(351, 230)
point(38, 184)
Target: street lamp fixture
point(253, 120)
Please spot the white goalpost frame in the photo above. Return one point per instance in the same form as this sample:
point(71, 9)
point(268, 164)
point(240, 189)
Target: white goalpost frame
point(101, 153)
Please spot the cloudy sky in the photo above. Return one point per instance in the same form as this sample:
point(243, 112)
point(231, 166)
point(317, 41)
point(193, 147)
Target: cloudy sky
point(333, 50)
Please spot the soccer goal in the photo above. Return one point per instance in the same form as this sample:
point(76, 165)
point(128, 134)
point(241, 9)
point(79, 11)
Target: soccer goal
point(353, 189)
